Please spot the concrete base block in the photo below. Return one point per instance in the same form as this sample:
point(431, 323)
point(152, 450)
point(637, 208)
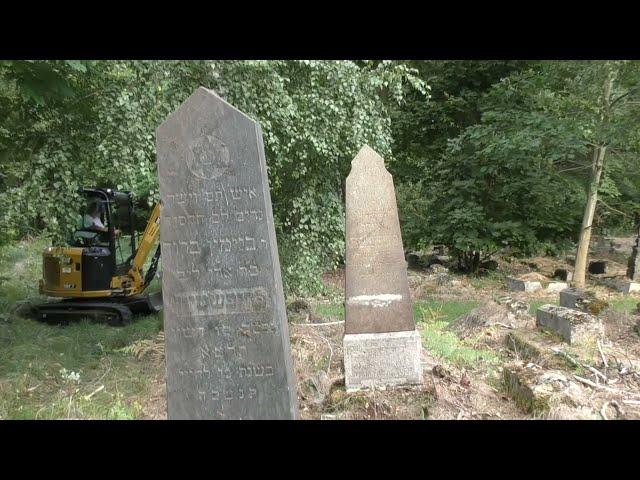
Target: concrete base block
point(380, 360)
point(557, 286)
point(522, 286)
point(570, 297)
point(572, 325)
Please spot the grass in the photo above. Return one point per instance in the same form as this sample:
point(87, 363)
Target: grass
point(625, 304)
point(330, 311)
point(492, 280)
point(435, 317)
point(534, 305)
point(75, 371)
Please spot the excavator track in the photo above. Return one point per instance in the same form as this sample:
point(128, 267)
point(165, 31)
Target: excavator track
point(62, 312)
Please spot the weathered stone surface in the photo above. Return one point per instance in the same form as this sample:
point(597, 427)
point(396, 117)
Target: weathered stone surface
point(227, 341)
point(628, 287)
point(518, 308)
point(570, 297)
point(557, 286)
point(522, 346)
point(514, 284)
point(377, 289)
point(572, 325)
point(520, 383)
point(382, 359)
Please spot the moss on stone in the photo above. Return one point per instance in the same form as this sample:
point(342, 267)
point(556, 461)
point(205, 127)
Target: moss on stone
point(518, 383)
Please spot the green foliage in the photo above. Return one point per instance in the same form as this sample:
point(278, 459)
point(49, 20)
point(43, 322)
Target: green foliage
point(68, 124)
point(514, 170)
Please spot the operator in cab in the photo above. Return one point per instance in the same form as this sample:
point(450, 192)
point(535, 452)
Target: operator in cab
point(92, 220)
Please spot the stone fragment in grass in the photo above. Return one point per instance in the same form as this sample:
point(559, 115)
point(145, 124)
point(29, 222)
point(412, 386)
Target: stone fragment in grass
point(557, 286)
point(517, 285)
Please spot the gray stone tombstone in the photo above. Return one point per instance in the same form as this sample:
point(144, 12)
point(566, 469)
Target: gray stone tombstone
point(381, 344)
point(634, 262)
point(227, 340)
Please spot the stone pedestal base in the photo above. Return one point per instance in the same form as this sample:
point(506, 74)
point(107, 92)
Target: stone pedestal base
point(569, 297)
point(382, 359)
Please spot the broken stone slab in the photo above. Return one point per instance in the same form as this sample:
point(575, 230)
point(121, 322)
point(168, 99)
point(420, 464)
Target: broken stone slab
point(573, 326)
point(522, 285)
point(517, 307)
point(556, 287)
point(377, 360)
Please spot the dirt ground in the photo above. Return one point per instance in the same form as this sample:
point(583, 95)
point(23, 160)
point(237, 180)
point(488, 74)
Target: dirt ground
point(552, 380)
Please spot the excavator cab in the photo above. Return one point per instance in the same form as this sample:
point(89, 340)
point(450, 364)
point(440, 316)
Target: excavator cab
point(95, 275)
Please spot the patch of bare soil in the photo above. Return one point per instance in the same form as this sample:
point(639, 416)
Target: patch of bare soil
point(446, 393)
point(533, 277)
point(547, 266)
point(465, 394)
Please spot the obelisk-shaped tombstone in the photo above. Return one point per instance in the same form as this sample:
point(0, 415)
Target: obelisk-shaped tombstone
point(227, 341)
point(381, 344)
point(633, 271)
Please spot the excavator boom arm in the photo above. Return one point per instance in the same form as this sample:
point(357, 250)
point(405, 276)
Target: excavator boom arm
point(148, 240)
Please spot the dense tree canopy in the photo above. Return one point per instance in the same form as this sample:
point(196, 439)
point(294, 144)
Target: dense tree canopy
point(485, 155)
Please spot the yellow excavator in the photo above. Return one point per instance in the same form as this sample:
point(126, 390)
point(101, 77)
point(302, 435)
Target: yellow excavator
point(86, 276)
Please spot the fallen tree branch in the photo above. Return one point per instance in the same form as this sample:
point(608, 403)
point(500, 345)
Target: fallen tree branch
point(602, 387)
point(501, 325)
point(604, 360)
point(99, 389)
point(596, 372)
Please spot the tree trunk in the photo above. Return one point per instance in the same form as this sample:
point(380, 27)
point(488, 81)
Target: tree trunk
point(587, 220)
point(597, 165)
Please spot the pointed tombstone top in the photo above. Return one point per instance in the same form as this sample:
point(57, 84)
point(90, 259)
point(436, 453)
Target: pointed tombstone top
point(199, 96)
point(367, 158)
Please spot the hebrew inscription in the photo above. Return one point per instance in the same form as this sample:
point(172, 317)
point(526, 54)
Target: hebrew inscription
point(227, 342)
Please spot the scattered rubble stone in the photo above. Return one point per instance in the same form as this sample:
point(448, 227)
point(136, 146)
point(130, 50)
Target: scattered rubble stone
point(522, 285)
